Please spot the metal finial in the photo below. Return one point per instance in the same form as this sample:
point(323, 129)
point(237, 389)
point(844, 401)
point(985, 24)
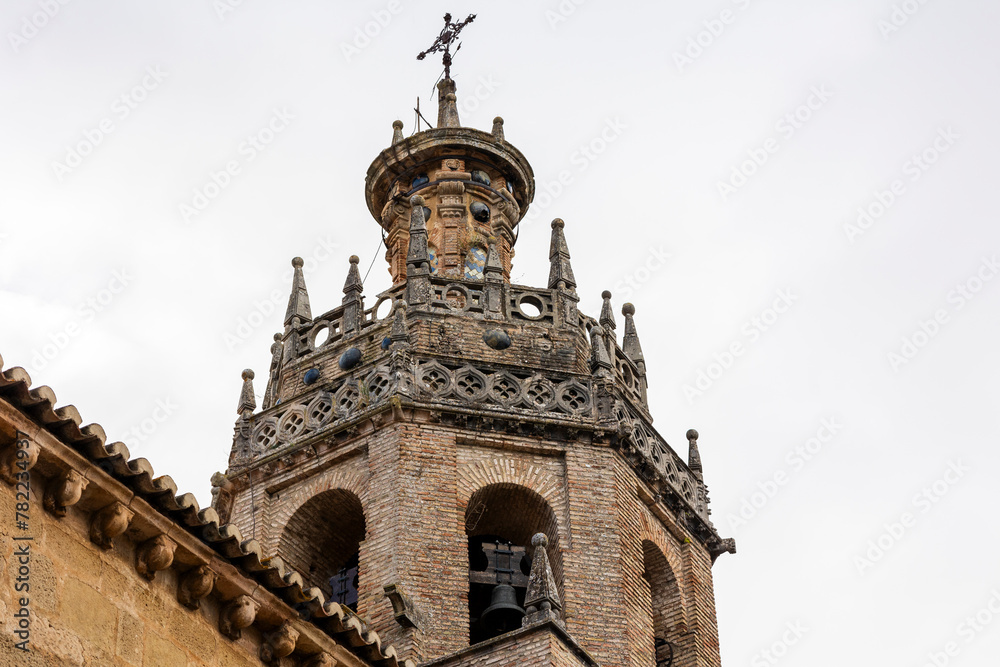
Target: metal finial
point(449, 33)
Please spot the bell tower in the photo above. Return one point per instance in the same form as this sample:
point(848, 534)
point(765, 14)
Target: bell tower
point(468, 468)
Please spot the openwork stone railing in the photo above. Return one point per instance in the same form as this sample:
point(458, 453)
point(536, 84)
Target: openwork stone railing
point(504, 389)
point(429, 380)
point(329, 327)
point(647, 447)
point(287, 422)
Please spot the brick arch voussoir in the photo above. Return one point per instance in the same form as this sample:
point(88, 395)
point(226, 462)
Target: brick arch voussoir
point(479, 475)
point(347, 480)
point(652, 531)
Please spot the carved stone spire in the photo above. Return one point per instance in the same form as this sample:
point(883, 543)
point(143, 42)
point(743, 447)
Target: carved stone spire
point(493, 269)
point(248, 403)
point(240, 452)
point(298, 303)
point(630, 340)
point(353, 304)
point(493, 288)
point(560, 270)
point(417, 259)
point(498, 128)
point(602, 366)
point(447, 104)
point(399, 332)
point(397, 131)
point(399, 351)
point(277, 356)
point(541, 600)
point(632, 349)
point(608, 322)
point(694, 457)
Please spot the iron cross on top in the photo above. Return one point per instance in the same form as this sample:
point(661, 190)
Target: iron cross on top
point(443, 42)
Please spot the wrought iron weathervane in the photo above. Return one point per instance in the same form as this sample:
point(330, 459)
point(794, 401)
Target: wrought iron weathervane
point(449, 33)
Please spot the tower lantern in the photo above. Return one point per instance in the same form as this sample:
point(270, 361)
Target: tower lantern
point(469, 465)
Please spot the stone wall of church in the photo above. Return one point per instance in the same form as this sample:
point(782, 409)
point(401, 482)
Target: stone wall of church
point(87, 606)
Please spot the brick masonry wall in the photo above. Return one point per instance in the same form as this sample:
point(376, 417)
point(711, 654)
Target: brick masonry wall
point(420, 483)
point(89, 607)
point(691, 616)
point(538, 647)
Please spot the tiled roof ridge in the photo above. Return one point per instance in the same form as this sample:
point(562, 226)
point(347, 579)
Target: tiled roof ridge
point(65, 425)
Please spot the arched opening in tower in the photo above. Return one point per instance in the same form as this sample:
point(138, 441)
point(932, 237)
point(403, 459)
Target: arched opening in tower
point(665, 627)
point(322, 542)
point(500, 520)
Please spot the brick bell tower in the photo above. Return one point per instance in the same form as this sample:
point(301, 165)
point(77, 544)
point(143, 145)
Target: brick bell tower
point(474, 473)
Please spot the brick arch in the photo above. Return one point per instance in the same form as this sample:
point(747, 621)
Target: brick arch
point(658, 544)
point(664, 616)
point(322, 535)
point(651, 529)
point(515, 513)
point(474, 476)
point(290, 501)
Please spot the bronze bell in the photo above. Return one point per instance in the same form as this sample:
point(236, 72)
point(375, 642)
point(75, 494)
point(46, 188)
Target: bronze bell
point(503, 614)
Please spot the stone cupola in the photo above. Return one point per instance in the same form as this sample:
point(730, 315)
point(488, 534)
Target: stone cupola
point(475, 185)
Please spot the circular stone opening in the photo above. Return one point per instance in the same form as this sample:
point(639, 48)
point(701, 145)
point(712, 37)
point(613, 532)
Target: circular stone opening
point(382, 309)
point(530, 307)
point(321, 336)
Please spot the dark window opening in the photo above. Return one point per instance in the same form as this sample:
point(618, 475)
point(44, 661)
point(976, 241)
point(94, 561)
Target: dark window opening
point(344, 584)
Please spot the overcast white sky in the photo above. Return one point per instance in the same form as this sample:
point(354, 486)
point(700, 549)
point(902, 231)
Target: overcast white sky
point(893, 110)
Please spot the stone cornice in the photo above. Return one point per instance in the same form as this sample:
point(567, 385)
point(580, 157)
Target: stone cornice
point(154, 514)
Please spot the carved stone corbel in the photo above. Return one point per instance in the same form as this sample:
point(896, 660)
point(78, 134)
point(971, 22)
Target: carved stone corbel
point(239, 613)
point(19, 456)
point(196, 584)
point(321, 660)
point(64, 491)
point(109, 523)
point(153, 555)
point(278, 644)
point(402, 608)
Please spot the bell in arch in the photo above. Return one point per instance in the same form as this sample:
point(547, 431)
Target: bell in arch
point(503, 614)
